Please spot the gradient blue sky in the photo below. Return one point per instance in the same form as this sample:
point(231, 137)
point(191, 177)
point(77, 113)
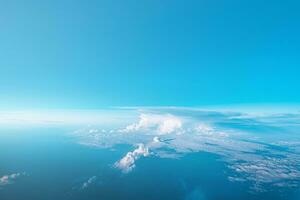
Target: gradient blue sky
point(91, 54)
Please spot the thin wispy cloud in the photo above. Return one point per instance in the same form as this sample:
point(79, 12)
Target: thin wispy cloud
point(89, 182)
point(64, 117)
point(10, 179)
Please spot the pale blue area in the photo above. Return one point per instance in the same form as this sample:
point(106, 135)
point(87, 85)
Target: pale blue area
point(89, 54)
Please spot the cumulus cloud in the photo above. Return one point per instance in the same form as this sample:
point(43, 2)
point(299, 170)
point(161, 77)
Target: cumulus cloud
point(10, 179)
point(162, 124)
point(90, 181)
point(127, 163)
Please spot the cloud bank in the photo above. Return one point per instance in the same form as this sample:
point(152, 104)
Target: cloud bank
point(262, 150)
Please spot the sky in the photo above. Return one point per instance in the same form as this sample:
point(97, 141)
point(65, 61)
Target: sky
point(91, 54)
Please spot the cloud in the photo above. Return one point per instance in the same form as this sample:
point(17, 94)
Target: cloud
point(204, 129)
point(90, 181)
point(156, 139)
point(162, 124)
point(263, 150)
point(9, 179)
point(127, 163)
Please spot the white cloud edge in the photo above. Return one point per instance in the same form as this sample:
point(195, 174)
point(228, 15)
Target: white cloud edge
point(127, 163)
point(9, 179)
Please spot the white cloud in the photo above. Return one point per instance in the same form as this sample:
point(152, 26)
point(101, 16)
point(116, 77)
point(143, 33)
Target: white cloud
point(93, 131)
point(9, 179)
point(90, 181)
point(127, 163)
point(204, 129)
point(156, 139)
point(162, 124)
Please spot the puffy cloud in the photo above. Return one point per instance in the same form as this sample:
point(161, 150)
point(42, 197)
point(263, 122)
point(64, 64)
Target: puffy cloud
point(162, 124)
point(9, 179)
point(90, 181)
point(127, 163)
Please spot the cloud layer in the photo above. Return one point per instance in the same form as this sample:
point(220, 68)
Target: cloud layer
point(262, 150)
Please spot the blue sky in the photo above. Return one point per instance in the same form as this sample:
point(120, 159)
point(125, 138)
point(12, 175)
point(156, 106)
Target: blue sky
point(91, 54)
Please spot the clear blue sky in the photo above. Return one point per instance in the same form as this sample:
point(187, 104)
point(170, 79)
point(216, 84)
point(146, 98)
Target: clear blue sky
point(91, 54)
